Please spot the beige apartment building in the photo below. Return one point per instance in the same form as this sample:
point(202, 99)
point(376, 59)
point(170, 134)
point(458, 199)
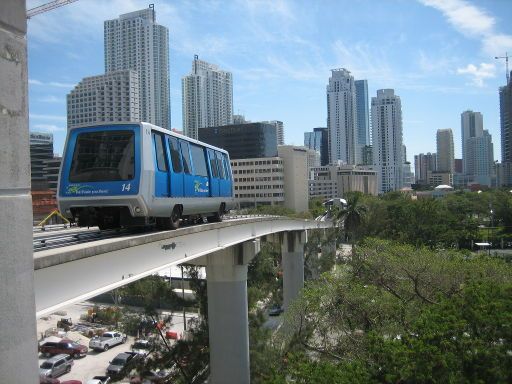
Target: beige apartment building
point(280, 180)
point(336, 180)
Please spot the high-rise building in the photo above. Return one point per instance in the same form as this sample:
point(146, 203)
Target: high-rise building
point(386, 112)
point(319, 141)
point(480, 159)
point(445, 152)
point(424, 164)
point(105, 98)
point(41, 150)
point(477, 150)
point(279, 130)
point(207, 97)
point(342, 117)
point(363, 118)
point(472, 125)
point(242, 141)
point(135, 41)
point(506, 133)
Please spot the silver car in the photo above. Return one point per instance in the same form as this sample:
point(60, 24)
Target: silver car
point(56, 366)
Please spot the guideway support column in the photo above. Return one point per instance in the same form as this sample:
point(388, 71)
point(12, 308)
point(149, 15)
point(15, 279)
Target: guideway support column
point(18, 339)
point(292, 252)
point(226, 274)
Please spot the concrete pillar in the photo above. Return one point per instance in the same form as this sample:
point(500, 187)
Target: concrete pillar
point(18, 339)
point(226, 274)
point(292, 252)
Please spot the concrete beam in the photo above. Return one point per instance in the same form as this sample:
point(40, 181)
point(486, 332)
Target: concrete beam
point(18, 353)
point(292, 252)
point(226, 274)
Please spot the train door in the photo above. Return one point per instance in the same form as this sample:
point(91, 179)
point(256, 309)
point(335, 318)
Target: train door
point(161, 166)
point(214, 173)
point(227, 182)
point(201, 179)
point(188, 177)
point(176, 176)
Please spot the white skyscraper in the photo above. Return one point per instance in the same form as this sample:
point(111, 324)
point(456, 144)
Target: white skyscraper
point(341, 117)
point(472, 125)
point(104, 98)
point(135, 41)
point(386, 112)
point(207, 97)
point(445, 152)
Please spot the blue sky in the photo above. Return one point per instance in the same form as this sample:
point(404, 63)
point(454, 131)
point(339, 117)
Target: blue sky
point(438, 55)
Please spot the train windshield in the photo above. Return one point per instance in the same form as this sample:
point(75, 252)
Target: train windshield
point(103, 156)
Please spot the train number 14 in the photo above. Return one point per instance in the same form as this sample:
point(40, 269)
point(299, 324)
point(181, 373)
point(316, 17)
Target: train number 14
point(126, 187)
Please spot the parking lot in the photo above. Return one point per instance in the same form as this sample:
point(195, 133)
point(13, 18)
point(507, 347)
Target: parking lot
point(94, 363)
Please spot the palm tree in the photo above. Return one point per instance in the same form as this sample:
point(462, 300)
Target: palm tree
point(352, 215)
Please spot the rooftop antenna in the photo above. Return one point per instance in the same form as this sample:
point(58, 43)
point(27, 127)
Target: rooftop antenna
point(506, 65)
point(152, 7)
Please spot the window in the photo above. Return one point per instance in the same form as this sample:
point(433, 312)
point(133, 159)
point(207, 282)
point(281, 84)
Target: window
point(213, 163)
point(218, 161)
point(198, 160)
point(103, 156)
point(175, 155)
point(227, 170)
point(185, 157)
point(160, 152)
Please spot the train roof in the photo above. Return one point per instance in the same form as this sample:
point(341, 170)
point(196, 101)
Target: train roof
point(153, 127)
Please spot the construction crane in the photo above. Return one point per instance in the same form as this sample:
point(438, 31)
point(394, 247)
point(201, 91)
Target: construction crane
point(506, 64)
point(47, 7)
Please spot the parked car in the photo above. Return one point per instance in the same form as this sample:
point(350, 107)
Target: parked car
point(65, 346)
point(142, 347)
point(121, 364)
point(107, 340)
point(99, 380)
point(56, 366)
point(275, 310)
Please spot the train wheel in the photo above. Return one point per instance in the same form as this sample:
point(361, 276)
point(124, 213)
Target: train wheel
point(174, 220)
point(218, 216)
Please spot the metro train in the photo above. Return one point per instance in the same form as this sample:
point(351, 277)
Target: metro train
point(136, 174)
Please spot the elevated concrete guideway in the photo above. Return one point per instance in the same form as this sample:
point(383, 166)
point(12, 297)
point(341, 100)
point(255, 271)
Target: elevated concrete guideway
point(78, 272)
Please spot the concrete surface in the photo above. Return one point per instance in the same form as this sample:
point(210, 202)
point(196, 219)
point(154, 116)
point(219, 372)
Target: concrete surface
point(17, 303)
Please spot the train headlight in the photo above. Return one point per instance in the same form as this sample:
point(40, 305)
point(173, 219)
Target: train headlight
point(138, 210)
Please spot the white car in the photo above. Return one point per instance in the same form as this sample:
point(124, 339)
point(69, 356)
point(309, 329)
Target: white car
point(107, 340)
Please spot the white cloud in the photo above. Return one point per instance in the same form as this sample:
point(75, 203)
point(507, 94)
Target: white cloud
point(50, 83)
point(47, 117)
point(478, 74)
point(50, 99)
point(49, 127)
point(473, 22)
point(465, 17)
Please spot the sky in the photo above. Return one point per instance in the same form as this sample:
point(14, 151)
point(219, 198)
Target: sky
point(438, 56)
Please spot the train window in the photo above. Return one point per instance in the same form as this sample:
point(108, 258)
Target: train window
point(199, 160)
point(175, 154)
point(185, 157)
point(227, 168)
point(160, 152)
point(213, 163)
point(103, 156)
point(218, 160)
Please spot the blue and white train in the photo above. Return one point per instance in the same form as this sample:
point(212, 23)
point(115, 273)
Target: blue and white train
point(136, 174)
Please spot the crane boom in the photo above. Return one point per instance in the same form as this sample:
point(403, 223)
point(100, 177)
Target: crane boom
point(47, 7)
point(506, 64)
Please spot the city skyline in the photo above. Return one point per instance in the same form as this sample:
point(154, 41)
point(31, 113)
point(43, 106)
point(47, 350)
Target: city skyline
point(281, 61)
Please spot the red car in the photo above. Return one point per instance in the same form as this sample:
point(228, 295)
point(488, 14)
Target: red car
point(66, 346)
